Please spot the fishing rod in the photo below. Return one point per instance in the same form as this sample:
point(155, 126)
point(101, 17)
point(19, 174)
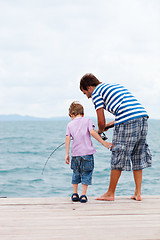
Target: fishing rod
point(106, 128)
point(103, 136)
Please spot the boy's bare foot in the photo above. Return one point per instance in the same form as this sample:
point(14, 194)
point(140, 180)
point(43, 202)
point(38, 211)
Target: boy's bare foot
point(106, 197)
point(136, 197)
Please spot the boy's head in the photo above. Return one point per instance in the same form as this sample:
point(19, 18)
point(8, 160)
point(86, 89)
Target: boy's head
point(76, 109)
point(88, 80)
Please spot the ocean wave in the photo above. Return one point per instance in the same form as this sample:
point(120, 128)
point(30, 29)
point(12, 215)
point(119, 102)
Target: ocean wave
point(24, 152)
point(36, 180)
point(17, 170)
point(11, 138)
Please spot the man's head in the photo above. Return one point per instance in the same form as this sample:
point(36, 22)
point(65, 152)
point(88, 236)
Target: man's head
point(88, 83)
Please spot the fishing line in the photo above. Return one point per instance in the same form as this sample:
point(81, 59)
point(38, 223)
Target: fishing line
point(51, 155)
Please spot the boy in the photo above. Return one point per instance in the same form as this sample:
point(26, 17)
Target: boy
point(130, 131)
point(82, 150)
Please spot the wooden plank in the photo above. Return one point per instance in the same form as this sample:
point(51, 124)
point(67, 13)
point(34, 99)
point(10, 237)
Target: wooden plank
point(60, 218)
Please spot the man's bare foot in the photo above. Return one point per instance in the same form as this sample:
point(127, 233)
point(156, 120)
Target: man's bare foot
point(106, 197)
point(136, 197)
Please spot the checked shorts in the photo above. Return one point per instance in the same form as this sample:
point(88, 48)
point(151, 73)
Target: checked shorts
point(130, 146)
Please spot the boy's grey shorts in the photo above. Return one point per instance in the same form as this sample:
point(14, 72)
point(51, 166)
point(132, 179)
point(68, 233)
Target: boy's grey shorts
point(129, 140)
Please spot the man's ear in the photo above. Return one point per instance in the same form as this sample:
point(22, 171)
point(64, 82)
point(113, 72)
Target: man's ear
point(89, 88)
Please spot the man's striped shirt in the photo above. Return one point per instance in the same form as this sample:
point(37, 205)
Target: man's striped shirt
point(119, 101)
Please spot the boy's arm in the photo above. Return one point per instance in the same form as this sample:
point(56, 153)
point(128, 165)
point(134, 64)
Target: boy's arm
point(67, 145)
point(99, 139)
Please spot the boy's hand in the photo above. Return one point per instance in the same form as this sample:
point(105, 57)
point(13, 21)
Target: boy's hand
point(108, 145)
point(67, 159)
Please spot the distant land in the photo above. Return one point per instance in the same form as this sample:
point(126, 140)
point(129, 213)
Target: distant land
point(17, 117)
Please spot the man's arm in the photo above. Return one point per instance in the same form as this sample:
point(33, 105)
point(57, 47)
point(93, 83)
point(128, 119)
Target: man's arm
point(101, 120)
point(102, 126)
point(109, 125)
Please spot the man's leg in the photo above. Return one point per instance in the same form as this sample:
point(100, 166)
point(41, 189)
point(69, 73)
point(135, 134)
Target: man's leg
point(109, 195)
point(138, 182)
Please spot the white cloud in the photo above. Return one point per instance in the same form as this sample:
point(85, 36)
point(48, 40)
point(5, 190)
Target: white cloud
point(46, 47)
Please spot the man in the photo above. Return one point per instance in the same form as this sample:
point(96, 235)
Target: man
point(130, 131)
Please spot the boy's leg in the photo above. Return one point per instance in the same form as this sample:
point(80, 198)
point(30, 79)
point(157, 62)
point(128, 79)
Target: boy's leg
point(87, 166)
point(75, 188)
point(75, 196)
point(109, 195)
point(83, 197)
point(76, 176)
point(138, 182)
point(84, 189)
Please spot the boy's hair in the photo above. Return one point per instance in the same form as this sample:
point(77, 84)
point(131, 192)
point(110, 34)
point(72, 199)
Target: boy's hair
point(88, 80)
point(76, 109)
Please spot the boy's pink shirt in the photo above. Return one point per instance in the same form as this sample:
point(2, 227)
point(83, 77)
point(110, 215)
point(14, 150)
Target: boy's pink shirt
point(79, 129)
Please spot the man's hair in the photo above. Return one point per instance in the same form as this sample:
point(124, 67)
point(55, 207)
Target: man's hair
point(76, 109)
point(88, 80)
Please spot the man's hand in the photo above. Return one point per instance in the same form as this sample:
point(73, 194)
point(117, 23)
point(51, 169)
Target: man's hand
point(109, 125)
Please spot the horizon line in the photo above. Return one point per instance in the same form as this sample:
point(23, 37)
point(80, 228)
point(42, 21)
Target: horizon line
point(16, 117)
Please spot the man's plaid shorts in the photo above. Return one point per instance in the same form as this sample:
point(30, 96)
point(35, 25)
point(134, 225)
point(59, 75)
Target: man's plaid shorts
point(130, 145)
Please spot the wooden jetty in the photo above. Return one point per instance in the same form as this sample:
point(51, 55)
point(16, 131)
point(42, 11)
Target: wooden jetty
point(60, 218)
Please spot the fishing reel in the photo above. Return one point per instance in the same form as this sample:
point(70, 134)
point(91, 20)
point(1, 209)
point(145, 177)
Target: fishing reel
point(103, 136)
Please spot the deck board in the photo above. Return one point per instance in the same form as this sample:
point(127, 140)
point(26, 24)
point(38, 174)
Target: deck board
point(60, 218)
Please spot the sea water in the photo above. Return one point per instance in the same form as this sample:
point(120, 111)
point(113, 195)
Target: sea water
point(26, 145)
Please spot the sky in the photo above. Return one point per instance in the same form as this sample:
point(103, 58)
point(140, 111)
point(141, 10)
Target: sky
point(46, 46)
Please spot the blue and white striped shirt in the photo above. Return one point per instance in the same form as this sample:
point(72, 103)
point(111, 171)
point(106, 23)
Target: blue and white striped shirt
point(119, 101)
